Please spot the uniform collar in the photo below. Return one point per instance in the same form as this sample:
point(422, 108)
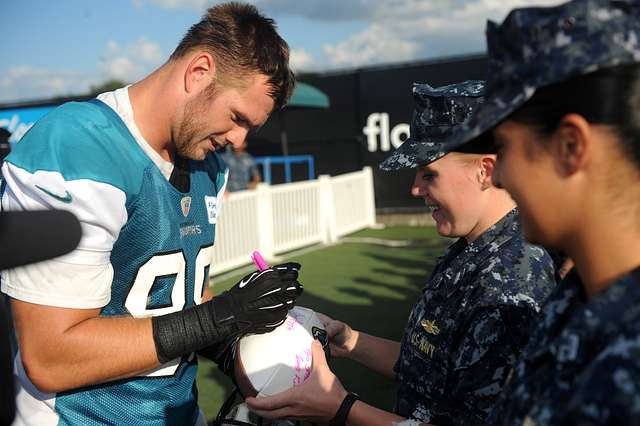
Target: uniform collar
point(616, 307)
point(461, 257)
point(582, 328)
point(488, 242)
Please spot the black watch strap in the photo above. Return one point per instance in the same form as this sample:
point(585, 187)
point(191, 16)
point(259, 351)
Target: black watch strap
point(340, 419)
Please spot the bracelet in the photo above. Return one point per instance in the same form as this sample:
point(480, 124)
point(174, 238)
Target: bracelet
point(340, 419)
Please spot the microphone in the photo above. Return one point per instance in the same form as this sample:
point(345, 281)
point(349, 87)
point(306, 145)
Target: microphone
point(36, 235)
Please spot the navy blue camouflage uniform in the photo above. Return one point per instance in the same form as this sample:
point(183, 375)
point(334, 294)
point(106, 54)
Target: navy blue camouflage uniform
point(470, 325)
point(581, 366)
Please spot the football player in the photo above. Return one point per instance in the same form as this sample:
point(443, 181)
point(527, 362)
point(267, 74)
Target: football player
point(107, 333)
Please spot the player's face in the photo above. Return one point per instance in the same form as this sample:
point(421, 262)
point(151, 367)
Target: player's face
point(451, 191)
point(223, 116)
point(525, 169)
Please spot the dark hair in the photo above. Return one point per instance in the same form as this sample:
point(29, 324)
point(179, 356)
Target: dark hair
point(242, 41)
point(610, 96)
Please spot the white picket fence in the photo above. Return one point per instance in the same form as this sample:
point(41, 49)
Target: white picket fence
point(278, 218)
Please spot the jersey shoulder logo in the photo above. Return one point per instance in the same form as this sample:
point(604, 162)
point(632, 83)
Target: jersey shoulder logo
point(66, 198)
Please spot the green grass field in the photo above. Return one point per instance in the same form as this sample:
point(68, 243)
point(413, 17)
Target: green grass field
point(370, 286)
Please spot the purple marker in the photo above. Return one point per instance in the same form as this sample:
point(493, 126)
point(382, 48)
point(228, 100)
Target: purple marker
point(257, 258)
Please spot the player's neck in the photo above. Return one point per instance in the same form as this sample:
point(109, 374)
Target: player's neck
point(153, 107)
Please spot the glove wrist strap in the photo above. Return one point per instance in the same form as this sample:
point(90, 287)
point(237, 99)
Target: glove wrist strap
point(223, 311)
point(183, 332)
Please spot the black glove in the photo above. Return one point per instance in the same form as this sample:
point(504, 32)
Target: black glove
point(256, 304)
point(223, 354)
point(259, 302)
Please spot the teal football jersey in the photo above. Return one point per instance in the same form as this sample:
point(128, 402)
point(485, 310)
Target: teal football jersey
point(160, 258)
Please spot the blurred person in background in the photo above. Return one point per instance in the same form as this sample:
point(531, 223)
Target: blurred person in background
point(472, 321)
point(108, 333)
point(243, 170)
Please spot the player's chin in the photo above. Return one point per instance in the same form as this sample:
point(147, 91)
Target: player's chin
point(201, 155)
point(197, 153)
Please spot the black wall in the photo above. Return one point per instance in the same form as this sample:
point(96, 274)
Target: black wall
point(335, 137)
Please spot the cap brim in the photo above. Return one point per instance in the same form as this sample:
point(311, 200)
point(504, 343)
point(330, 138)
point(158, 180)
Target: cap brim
point(412, 154)
point(33, 236)
point(496, 107)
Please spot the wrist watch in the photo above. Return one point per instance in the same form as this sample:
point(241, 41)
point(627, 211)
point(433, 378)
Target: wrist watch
point(340, 419)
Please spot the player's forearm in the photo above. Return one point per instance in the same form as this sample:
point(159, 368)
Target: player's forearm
point(95, 350)
point(376, 353)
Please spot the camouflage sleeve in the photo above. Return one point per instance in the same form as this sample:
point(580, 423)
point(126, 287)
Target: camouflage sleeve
point(608, 392)
point(493, 341)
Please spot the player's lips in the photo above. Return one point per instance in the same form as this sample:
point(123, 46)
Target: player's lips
point(215, 145)
point(431, 206)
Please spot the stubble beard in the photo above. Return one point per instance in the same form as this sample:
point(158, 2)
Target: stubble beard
point(187, 142)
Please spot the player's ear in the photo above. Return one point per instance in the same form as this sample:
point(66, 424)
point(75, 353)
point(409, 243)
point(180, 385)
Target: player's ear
point(200, 72)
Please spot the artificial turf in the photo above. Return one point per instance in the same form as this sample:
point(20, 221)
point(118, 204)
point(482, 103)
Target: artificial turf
point(369, 285)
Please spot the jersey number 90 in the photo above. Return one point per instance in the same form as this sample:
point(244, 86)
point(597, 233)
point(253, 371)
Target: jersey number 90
point(164, 265)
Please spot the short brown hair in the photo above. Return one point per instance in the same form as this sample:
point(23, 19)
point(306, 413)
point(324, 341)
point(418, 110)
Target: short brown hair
point(242, 41)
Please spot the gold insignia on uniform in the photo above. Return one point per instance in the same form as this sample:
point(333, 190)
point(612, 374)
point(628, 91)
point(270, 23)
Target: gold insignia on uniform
point(430, 327)
point(509, 377)
point(528, 421)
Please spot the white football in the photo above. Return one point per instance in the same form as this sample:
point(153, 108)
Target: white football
point(267, 364)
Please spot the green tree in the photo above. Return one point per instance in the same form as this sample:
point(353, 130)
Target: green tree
point(107, 86)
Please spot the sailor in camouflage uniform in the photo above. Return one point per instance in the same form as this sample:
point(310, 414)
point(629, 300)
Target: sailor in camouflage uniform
point(563, 103)
point(472, 321)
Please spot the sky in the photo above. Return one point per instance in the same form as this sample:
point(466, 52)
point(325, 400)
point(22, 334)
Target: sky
point(60, 48)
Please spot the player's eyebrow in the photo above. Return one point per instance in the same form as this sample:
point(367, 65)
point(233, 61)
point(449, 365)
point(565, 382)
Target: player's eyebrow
point(253, 128)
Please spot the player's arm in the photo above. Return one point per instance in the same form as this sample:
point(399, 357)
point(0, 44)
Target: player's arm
point(65, 344)
point(95, 349)
point(63, 348)
point(377, 353)
point(55, 341)
point(207, 294)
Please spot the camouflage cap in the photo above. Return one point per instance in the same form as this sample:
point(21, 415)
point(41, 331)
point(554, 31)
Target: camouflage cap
point(438, 111)
point(538, 46)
